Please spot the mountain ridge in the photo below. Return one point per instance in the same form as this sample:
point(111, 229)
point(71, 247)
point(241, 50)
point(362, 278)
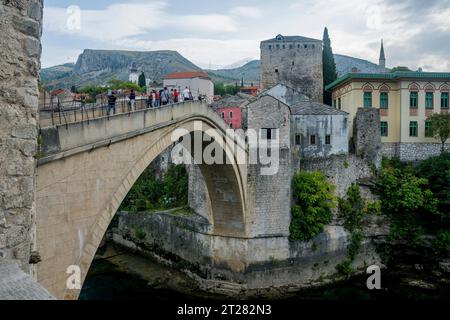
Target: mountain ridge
point(97, 67)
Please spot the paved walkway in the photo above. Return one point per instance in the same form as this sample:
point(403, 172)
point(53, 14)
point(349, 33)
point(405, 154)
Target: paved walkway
point(17, 285)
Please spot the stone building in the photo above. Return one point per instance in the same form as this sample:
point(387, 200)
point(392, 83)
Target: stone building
point(295, 61)
point(405, 100)
point(231, 109)
point(317, 130)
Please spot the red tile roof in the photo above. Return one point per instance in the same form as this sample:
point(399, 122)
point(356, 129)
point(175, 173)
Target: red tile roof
point(187, 75)
point(57, 92)
point(250, 88)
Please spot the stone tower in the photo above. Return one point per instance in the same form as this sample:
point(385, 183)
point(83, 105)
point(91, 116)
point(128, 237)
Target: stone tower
point(294, 61)
point(134, 76)
point(382, 63)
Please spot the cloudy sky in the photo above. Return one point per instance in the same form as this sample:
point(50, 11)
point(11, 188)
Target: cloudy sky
point(221, 32)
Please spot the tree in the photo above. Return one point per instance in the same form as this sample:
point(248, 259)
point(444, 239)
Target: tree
point(400, 68)
point(314, 198)
point(437, 171)
point(142, 82)
point(440, 125)
point(329, 66)
point(219, 89)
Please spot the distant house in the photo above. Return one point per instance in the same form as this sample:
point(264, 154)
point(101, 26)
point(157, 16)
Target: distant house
point(252, 90)
point(231, 109)
point(61, 95)
point(198, 82)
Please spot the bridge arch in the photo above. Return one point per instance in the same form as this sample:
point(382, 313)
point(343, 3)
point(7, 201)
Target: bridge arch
point(90, 206)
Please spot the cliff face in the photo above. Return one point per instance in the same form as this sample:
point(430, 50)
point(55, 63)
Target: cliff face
point(99, 66)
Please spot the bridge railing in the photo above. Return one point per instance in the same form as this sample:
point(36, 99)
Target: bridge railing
point(68, 111)
point(65, 111)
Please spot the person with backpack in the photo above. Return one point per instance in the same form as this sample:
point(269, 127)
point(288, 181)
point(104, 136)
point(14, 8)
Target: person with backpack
point(165, 97)
point(111, 102)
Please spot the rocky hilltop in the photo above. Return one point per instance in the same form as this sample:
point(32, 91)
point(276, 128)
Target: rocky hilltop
point(344, 65)
point(99, 66)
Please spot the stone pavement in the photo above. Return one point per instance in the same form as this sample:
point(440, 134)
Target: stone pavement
point(17, 285)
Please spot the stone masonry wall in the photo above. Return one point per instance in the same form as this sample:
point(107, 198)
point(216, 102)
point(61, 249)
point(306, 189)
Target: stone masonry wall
point(367, 138)
point(300, 68)
point(410, 152)
point(271, 193)
point(20, 50)
point(341, 170)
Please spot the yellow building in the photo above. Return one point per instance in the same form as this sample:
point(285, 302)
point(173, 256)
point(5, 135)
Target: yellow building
point(405, 100)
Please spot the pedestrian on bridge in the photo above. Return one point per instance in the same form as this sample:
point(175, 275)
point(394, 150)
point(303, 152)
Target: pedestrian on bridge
point(112, 102)
point(165, 96)
point(157, 99)
point(132, 98)
point(149, 101)
point(187, 94)
point(176, 96)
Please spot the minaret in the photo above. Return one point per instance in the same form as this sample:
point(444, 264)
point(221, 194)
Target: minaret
point(382, 63)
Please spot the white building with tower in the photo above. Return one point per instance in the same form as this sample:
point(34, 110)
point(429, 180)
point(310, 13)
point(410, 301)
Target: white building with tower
point(134, 75)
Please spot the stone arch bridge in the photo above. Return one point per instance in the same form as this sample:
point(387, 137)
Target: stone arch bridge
point(88, 167)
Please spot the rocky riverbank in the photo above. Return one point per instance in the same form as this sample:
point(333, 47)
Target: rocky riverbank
point(117, 274)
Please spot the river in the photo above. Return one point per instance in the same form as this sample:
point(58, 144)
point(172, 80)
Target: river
point(117, 274)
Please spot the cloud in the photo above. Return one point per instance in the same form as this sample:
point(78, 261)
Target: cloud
point(247, 12)
point(123, 20)
point(194, 49)
point(416, 32)
point(114, 22)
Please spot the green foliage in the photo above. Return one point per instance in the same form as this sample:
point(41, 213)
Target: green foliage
point(352, 208)
point(355, 244)
point(400, 68)
point(408, 202)
point(442, 242)
point(149, 193)
point(175, 187)
point(437, 171)
point(346, 164)
point(345, 267)
point(222, 89)
point(329, 65)
point(140, 234)
point(142, 83)
point(402, 192)
point(373, 208)
point(115, 84)
point(440, 125)
point(314, 199)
